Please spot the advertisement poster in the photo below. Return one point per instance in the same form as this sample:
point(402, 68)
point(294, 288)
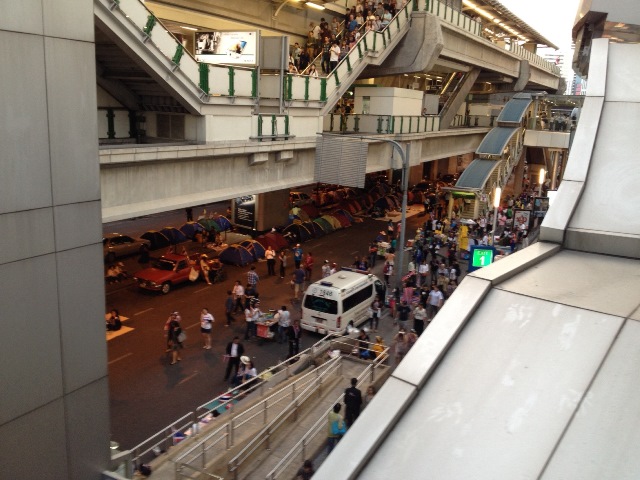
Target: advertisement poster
point(540, 206)
point(244, 214)
point(521, 217)
point(229, 48)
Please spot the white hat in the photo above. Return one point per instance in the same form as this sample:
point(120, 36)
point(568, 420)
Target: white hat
point(244, 359)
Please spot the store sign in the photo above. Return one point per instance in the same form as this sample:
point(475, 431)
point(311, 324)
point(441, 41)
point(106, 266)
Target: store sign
point(229, 48)
point(244, 214)
point(481, 256)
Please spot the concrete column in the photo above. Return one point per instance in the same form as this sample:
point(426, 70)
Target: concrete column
point(446, 117)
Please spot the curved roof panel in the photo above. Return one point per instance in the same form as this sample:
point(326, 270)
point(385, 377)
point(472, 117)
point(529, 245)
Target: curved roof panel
point(477, 173)
point(514, 110)
point(495, 141)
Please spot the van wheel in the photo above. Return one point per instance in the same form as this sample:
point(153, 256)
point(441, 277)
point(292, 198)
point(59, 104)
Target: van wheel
point(166, 288)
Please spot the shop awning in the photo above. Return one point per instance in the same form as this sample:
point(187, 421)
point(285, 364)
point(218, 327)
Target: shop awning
point(476, 174)
point(495, 141)
point(514, 109)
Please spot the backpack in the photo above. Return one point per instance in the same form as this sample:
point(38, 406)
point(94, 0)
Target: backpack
point(386, 269)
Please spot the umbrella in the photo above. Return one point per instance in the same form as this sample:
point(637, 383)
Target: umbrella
point(467, 221)
point(191, 228)
point(236, 255)
point(174, 235)
point(157, 239)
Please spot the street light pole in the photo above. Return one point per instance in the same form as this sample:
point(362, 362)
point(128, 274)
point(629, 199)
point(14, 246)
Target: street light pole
point(496, 204)
point(404, 157)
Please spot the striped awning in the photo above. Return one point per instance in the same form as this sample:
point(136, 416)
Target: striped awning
point(475, 176)
point(495, 141)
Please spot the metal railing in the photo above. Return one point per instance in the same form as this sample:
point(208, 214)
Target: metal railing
point(165, 438)
point(473, 121)
point(382, 124)
point(300, 448)
point(263, 437)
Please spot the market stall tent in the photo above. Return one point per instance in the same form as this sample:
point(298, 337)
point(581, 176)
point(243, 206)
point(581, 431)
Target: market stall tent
point(191, 228)
point(174, 235)
point(236, 255)
point(255, 248)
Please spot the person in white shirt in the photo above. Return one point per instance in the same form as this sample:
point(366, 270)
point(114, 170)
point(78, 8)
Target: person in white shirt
point(435, 301)
point(206, 323)
point(326, 269)
point(238, 295)
point(334, 55)
point(423, 272)
point(284, 322)
point(270, 255)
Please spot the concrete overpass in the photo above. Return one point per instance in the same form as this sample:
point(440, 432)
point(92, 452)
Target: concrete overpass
point(222, 116)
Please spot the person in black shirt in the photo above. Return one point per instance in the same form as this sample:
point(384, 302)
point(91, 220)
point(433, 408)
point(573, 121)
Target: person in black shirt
point(353, 401)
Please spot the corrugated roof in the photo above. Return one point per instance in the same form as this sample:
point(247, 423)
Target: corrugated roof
point(514, 110)
point(495, 141)
point(477, 173)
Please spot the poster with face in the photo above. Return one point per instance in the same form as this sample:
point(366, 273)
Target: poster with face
point(520, 218)
point(229, 48)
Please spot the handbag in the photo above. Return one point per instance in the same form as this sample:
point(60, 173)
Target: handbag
point(193, 274)
point(336, 429)
point(182, 337)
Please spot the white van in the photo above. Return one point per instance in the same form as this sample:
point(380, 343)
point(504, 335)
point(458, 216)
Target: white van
point(330, 304)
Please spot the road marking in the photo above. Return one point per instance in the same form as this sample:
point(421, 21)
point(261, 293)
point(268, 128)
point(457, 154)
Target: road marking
point(318, 245)
point(355, 253)
point(187, 378)
point(202, 289)
point(120, 358)
point(143, 311)
point(194, 325)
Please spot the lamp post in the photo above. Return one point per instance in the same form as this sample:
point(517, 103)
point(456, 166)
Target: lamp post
point(404, 157)
point(496, 204)
point(541, 181)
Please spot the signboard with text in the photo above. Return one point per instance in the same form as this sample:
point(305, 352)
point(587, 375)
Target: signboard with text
point(480, 256)
point(230, 48)
point(244, 211)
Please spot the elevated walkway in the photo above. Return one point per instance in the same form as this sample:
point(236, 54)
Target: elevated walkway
point(549, 393)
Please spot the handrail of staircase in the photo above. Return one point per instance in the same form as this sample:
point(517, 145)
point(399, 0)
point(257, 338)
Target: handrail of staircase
point(318, 426)
point(315, 59)
point(267, 431)
point(163, 439)
point(227, 431)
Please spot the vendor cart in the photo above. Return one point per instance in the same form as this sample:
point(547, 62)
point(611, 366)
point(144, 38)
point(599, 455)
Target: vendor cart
point(266, 326)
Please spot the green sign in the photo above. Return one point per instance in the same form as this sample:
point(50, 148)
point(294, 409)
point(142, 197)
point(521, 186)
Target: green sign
point(482, 257)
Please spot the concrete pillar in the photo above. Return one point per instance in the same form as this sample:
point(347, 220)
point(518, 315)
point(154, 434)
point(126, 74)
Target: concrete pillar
point(447, 116)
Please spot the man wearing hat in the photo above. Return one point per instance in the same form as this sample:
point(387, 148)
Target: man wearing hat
point(234, 351)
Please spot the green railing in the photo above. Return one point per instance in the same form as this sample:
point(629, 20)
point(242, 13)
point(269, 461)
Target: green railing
point(270, 127)
point(381, 124)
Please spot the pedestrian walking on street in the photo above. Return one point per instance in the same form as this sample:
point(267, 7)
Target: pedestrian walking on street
point(326, 269)
point(308, 266)
point(238, 296)
point(284, 322)
point(352, 402)
point(174, 316)
point(294, 334)
point(435, 301)
point(252, 277)
point(298, 282)
point(282, 257)
point(233, 352)
point(228, 307)
point(297, 255)
point(336, 427)
point(174, 336)
point(419, 317)
point(206, 324)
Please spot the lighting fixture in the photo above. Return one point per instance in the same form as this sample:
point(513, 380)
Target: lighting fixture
point(189, 28)
point(314, 5)
point(496, 197)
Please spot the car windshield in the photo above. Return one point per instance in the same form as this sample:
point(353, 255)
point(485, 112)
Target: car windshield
point(164, 264)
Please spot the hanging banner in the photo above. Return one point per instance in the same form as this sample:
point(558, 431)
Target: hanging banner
point(229, 48)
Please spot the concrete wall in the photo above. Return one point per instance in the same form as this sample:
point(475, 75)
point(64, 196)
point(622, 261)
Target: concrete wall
point(54, 408)
point(389, 101)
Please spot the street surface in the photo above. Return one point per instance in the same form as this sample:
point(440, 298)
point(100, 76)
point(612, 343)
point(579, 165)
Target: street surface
point(146, 393)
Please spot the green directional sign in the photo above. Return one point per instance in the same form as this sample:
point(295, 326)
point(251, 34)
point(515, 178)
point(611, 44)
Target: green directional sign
point(481, 256)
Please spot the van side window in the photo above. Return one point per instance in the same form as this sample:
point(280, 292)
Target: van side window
point(357, 298)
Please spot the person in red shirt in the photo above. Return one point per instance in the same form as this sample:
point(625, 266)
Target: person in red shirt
point(308, 266)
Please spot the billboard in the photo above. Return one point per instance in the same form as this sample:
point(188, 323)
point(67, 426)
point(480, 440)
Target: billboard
point(229, 48)
point(244, 211)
